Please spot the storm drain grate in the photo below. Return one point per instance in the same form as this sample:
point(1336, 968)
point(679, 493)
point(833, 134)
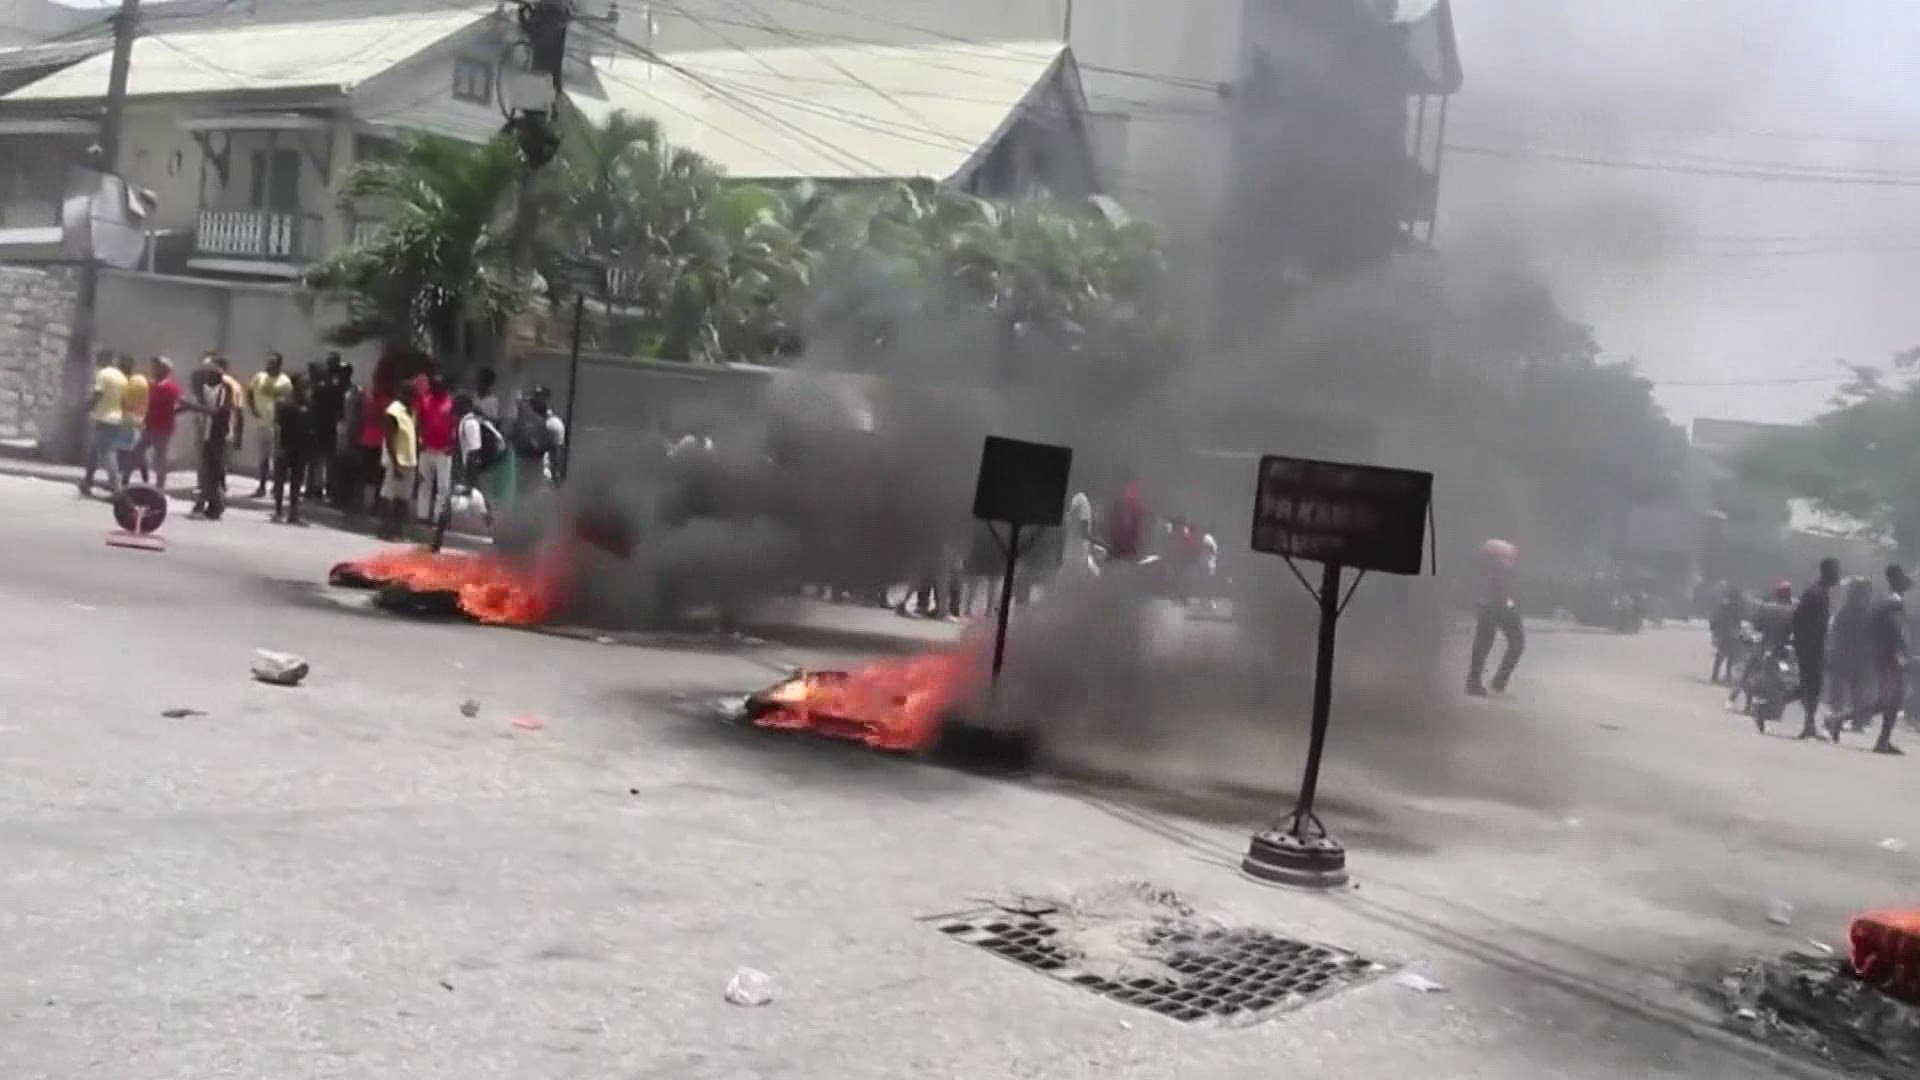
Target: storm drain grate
point(1238, 976)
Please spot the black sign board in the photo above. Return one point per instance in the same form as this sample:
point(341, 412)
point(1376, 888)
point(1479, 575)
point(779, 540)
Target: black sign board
point(1364, 517)
point(1022, 483)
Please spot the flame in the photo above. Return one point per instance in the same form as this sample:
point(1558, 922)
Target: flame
point(889, 705)
point(1885, 950)
point(487, 589)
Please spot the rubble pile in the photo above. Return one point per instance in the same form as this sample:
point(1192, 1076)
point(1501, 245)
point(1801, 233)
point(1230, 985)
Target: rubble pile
point(1815, 1005)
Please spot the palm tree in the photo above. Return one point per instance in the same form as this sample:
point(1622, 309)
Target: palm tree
point(622, 220)
point(440, 266)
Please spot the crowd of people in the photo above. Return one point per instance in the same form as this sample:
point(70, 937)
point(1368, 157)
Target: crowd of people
point(1852, 660)
point(1180, 556)
point(401, 447)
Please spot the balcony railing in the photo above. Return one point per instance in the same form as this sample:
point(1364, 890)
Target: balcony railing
point(258, 234)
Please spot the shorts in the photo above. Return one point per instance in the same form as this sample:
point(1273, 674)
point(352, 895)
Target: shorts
point(398, 483)
point(264, 440)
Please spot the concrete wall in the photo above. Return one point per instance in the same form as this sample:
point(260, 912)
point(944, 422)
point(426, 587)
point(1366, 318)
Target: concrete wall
point(184, 318)
point(36, 312)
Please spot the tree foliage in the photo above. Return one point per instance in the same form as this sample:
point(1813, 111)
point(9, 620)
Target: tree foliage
point(1861, 458)
point(440, 266)
point(676, 262)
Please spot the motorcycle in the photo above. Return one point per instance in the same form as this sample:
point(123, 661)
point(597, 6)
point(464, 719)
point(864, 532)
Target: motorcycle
point(1771, 682)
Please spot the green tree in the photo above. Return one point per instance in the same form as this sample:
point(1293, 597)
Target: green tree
point(439, 270)
point(1861, 458)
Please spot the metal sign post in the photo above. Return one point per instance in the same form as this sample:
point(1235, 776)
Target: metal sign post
point(1022, 484)
point(1343, 516)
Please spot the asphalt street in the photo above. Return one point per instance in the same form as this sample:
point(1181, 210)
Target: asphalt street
point(354, 879)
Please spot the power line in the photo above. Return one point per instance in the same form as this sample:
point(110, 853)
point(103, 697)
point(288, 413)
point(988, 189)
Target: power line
point(1182, 81)
point(723, 94)
point(1730, 172)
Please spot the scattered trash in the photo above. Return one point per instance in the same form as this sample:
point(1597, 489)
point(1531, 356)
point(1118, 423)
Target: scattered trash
point(1612, 727)
point(86, 607)
point(605, 639)
point(1573, 822)
point(1126, 1025)
point(633, 791)
point(445, 985)
point(1780, 912)
point(1813, 950)
point(1893, 843)
point(529, 722)
point(469, 708)
point(749, 988)
point(181, 714)
point(1418, 983)
point(279, 669)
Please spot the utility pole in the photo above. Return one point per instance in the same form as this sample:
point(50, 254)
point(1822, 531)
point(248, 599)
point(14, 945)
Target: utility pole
point(543, 23)
point(79, 367)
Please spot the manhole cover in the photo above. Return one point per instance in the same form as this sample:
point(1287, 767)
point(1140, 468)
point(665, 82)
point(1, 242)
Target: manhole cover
point(1237, 976)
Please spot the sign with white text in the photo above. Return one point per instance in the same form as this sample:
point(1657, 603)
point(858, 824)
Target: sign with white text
point(1361, 516)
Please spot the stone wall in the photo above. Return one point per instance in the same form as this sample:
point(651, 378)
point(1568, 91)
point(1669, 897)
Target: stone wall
point(36, 315)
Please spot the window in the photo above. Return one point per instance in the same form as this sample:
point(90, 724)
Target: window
point(276, 180)
point(473, 81)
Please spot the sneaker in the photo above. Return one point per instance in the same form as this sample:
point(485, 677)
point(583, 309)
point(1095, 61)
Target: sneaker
point(1890, 749)
point(1476, 690)
point(275, 518)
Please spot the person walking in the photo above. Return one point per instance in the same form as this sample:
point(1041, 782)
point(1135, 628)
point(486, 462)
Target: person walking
point(133, 421)
point(1811, 617)
point(439, 434)
point(265, 391)
point(1496, 615)
point(1888, 655)
point(539, 443)
point(218, 407)
point(106, 412)
point(1850, 667)
point(163, 406)
point(400, 455)
point(1723, 625)
point(295, 425)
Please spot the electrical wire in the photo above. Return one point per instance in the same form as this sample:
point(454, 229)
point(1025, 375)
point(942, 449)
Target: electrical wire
point(1731, 172)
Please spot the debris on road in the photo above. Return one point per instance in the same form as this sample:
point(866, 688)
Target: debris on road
point(1894, 844)
point(529, 722)
point(446, 984)
point(181, 714)
point(1418, 983)
point(749, 988)
point(469, 708)
point(279, 669)
point(606, 639)
point(1780, 912)
point(1817, 1006)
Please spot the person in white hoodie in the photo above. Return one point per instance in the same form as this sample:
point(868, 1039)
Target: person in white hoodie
point(1077, 561)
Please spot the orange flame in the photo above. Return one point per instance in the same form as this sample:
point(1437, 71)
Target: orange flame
point(889, 705)
point(487, 589)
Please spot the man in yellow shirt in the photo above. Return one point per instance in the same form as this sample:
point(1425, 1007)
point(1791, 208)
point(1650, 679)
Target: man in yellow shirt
point(105, 412)
point(400, 452)
point(264, 394)
point(133, 422)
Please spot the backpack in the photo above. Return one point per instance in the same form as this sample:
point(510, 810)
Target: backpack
point(531, 438)
point(493, 446)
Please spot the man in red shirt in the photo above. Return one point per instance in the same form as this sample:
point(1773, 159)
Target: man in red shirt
point(439, 428)
point(163, 405)
point(1127, 526)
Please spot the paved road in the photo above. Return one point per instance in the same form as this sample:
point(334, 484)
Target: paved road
point(352, 879)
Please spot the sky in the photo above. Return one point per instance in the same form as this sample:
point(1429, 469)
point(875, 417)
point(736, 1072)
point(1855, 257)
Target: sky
point(1754, 279)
